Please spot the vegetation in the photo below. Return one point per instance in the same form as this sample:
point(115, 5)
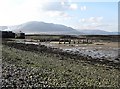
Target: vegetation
point(40, 37)
point(62, 73)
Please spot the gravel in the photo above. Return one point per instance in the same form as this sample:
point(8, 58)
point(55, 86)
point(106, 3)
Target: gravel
point(19, 77)
point(14, 76)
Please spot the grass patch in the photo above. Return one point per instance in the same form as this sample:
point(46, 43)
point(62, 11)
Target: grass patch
point(63, 72)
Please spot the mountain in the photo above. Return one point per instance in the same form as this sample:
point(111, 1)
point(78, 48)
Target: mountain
point(36, 27)
point(3, 27)
point(44, 28)
point(97, 32)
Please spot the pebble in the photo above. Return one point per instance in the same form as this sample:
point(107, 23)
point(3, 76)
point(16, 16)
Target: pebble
point(18, 76)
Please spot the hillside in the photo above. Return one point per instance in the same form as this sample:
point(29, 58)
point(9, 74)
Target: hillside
point(97, 32)
point(36, 27)
point(44, 28)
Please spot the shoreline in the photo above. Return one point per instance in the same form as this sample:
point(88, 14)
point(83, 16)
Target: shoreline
point(64, 53)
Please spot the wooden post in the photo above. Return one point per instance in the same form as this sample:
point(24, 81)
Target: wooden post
point(59, 42)
point(78, 42)
point(87, 40)
point(83, 41)
point(69, 41)
point(74, 41)
point(64, 41)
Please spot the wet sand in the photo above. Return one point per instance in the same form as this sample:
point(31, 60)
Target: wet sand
point(107, 50)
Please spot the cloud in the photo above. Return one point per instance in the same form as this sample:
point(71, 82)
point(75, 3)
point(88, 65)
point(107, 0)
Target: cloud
point(91, 23)
point(83, 8)
point(12, 13)
point(91, 20)
point(95, 19)
point(96, 23)
point(104, 25)
point(60, 6)
point(57, 14)
point(54, 6)
point(73, 6)
point(100, 26)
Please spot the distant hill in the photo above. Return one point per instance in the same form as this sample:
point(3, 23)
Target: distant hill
point(36, 27)
point(97, 32)
point(3, 27)
point(44, 28)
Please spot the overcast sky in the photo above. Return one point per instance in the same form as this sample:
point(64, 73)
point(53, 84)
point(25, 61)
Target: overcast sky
point(95, 14)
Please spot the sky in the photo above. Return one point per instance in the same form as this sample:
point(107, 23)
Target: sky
point(78, 14)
